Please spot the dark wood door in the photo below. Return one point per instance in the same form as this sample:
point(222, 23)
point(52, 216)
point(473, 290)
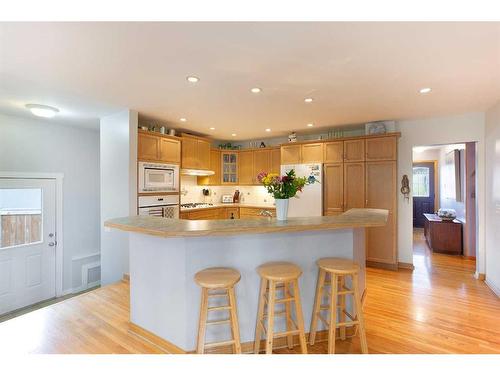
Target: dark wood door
point(423, 192)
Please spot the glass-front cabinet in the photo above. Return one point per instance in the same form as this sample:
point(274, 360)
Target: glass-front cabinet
point(229, 167)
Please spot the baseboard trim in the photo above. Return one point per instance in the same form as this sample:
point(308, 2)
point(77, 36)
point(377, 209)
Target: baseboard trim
point(406, 266)
point(385, 266)
point(126, 277)
point(157, 341)
point(480, 276)
point(493, 287)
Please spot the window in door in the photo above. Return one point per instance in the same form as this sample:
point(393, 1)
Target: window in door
point(421, 182)
point(20, 217)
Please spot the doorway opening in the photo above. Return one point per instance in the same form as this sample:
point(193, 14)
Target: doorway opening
point(444, 200)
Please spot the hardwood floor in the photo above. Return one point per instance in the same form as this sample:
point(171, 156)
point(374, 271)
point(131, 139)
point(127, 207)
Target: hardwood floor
point(437, 308)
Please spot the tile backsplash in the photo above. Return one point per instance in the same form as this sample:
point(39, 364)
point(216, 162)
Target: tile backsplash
point(191, 192)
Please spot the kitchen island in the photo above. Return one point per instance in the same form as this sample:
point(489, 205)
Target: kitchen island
point(166, 253)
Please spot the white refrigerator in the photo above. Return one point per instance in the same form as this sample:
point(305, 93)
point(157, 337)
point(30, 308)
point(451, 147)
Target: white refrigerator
point(309, 202)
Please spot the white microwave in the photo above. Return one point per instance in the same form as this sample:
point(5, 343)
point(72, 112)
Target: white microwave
point(155, 177)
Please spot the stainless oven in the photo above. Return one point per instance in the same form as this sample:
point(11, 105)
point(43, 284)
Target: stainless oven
point(159, 205)
point(156, 177)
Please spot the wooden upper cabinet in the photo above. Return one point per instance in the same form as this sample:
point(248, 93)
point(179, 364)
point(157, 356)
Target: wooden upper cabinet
point(354, 150)
point(158, 148)
point(261, 162)
point(354, 185)
point(333, 189)
point(291, 154)
point(148, 147)
point(383, 148)
point(246, 168)
point(189, 159)
point(195, 152)
point(275, 164)
point(203, 154)
point(333, 152)
point(170, 150)
point(312, 153)
point(215, 165)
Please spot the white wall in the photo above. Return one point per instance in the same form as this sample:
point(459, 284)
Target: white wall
point(434, 131)
point(444, 178)
point(118, 189)
point(493, 198)
point(31, 145)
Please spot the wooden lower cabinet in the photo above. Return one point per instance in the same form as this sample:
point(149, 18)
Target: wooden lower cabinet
point(333, 189)
point(254, 212)
point(381, 242)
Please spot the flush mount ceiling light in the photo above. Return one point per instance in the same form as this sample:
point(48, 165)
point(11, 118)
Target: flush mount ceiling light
point(268, 130)
point(183, 119)
point(425, 90)
point(255, 90)
point(233, 135)
point(42, 110)
point(310, 125)
point(192, 79)
point(212, 128)
point(308, 100)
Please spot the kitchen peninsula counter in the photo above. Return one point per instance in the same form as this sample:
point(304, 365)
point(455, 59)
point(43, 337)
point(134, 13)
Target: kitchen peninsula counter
point(165, 254)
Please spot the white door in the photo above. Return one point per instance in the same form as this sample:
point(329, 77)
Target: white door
point(27, 242)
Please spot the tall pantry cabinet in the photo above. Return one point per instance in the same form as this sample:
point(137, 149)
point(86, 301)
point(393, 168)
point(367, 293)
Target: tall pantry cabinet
point(362, 173)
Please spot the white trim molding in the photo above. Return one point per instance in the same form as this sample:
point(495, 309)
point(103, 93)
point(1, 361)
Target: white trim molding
point(58, 177)
point(493, 287)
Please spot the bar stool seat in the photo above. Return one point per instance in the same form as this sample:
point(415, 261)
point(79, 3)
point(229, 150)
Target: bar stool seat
point(217, 283)
point(282, 278)
point(217, 277)
point(340, 266)
point(279, 271)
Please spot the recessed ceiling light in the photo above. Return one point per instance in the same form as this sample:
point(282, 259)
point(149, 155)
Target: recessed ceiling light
point(233, 135)
point(425, 90)
point(268, 130)
point(183, 119)
point(310, 125)
point(256, 90)
point(308, 100)
point(42, 110)
point(212, 128)
point(192, 79)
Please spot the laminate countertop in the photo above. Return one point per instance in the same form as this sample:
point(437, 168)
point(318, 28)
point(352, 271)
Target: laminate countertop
point(164, 227)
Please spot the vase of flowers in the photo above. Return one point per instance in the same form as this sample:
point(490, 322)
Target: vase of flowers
point(282, 188)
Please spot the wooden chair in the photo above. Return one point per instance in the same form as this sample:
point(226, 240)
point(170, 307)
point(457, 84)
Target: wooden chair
point(279, 276)
point(218, 283)
point(337, 269)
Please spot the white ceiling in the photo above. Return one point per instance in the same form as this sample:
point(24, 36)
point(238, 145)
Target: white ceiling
point(356, 72)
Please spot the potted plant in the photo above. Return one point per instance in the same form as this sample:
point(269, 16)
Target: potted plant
point(282, 188)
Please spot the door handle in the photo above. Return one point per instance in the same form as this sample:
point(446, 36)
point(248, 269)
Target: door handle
point(52, 244)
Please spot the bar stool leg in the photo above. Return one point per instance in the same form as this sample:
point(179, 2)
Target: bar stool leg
point(202, 325)
point(300, 317)
point(288, 314)
point(333, 314)
point(234, 321)
point(270, 316)
point(360, 318)
point(342, 307)
point(317, 305)
point(260, 316)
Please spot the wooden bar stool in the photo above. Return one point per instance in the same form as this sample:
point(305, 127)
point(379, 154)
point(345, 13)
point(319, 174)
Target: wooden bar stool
point(337, 269)
point(279, 276)
point(218, 283)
